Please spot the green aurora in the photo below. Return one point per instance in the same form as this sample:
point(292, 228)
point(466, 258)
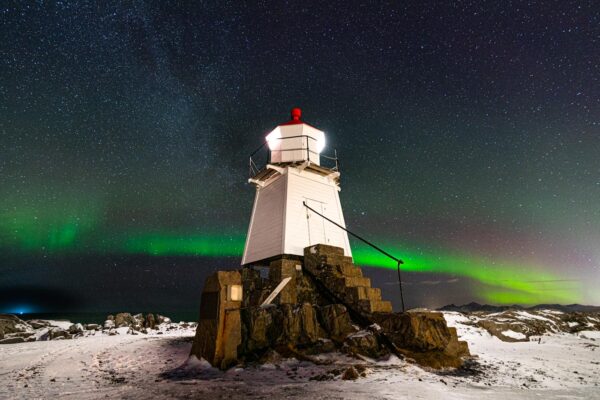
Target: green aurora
point(501, 282)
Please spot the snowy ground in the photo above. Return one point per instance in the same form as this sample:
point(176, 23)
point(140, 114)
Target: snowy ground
point(562, 366)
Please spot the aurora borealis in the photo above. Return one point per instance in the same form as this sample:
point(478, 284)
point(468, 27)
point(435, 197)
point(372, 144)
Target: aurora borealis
point(468, 135)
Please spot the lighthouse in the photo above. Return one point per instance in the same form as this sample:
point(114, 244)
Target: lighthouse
point(296, 187)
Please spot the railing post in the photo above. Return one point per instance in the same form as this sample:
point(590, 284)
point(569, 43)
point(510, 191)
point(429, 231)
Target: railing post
point(337, 166)
point(307, 149)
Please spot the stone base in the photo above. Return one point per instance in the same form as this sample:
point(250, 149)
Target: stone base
point(328, 305)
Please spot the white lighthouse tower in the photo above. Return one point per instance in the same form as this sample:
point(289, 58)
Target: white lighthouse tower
point(293, 174)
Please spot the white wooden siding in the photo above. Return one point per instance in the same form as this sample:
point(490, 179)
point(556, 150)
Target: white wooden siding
point(279, 223)
point(265, 234)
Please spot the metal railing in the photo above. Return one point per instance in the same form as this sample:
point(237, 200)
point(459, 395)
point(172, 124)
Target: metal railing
point(263, 155)
point(379, 249)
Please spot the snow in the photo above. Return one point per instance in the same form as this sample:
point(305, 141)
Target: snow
point(62, 324)
point(514, 335)
point(157, 366)
point(526, 315)
point(593, 335)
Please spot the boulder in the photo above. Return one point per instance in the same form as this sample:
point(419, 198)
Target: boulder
point(425, 337)
point(10, 323)
point(350, 374)
point(150, 321)
point(92, 327)
point(22, 334)
point(76, 329)
point(124, 320)
point(58, 333)
point(109, 323)
point(365, 343)
point(38, 323)
point(1, 333)
point(12, 340)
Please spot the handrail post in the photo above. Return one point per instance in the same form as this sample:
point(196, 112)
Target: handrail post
point(307, 149)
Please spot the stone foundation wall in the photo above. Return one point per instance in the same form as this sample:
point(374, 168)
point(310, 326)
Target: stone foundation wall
point(328, 305)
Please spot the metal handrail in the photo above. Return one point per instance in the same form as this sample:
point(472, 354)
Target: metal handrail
point(379, 249)
point(254, 169)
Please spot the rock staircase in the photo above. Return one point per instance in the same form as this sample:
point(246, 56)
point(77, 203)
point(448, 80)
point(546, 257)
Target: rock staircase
point(344, 279)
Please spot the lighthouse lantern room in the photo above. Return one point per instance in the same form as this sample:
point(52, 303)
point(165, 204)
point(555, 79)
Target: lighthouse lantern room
point(293, 175)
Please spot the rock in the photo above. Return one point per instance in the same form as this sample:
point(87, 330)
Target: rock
point(124, 320)
point(112, 332)
point(21, 334)
point(12, 324)
point(336, 321)
point(351, 374)
point(150, 321)
point(75, 329)
point(257, 328)
point(38, 323)
point(162, 319)
point(58, 333)
point(1, 333)
point(424, 337)
point(109, 323)
point(365, 343)
point(300, 325)
point(281, 327)
point(12, 340)
point(44, 334)
point(110, 317)
point(92, 327)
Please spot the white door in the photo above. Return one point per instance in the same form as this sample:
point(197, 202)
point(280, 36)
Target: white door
point(316, 224)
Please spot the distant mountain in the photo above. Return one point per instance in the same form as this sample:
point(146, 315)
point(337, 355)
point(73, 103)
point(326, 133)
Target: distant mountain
point(472, 307)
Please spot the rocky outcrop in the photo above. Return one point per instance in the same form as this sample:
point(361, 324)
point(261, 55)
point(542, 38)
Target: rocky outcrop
point(15, 330)
point(75, 329)
point(424, 337)
point(10, 323)
point(304, 328)
point(327, 305)
point(519, 325)
point(335, 320)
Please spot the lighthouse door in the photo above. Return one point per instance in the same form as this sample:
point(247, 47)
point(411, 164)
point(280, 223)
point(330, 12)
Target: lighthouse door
point(316, 224)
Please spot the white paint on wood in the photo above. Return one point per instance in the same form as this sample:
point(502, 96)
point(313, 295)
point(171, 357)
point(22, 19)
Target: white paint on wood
point(280, 223)
point(275, 292)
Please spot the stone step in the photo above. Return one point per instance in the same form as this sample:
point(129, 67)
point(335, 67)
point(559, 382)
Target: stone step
point(335, 259)
point(375, 306)
point(344, 270)
point(350, 281)
point(357, 293)
point(323, 249)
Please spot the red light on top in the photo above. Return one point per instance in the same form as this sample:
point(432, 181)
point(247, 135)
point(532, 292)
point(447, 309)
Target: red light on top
point(296, 114)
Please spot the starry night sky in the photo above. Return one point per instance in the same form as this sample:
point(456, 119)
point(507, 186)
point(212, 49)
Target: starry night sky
point(468, 134)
